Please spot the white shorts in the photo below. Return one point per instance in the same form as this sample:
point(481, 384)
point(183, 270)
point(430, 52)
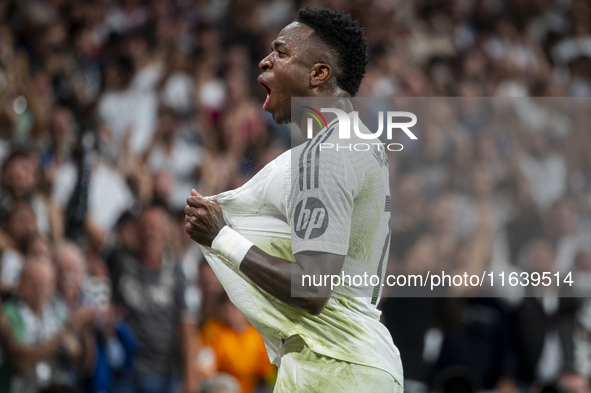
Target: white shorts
point(304, 371)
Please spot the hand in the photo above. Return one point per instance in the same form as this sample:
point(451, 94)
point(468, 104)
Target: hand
point(203, 219)
point(72, 345)
point(82, 319)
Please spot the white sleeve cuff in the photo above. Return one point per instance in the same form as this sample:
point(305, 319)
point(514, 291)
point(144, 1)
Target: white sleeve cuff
point(231, 245)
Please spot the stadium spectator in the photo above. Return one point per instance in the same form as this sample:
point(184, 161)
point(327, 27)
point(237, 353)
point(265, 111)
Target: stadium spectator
point(52, 353)
point(19, 228)
point(239, 349)
point(115, 350)
point(71, 275)
point(150, 286)
point(19, 182)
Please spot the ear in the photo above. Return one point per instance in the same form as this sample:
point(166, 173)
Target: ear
point(320, 73)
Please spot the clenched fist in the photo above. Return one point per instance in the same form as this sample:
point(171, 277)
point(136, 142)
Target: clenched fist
point(203, 219)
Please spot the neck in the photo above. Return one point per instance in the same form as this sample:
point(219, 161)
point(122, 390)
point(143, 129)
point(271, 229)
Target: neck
point(342, 102)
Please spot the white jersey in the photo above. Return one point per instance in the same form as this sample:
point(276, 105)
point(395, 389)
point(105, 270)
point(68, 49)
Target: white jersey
point(317, 200)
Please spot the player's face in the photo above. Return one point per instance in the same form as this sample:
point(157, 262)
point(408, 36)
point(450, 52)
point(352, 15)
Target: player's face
point(286, 71)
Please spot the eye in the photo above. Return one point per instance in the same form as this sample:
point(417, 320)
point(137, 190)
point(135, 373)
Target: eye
point(281, 53)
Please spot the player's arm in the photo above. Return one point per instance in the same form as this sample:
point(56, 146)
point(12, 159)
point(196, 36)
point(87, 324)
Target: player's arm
point(279, 276)
point(205, 224)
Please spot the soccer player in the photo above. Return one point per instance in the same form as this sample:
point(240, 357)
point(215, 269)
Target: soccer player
point(309, 212)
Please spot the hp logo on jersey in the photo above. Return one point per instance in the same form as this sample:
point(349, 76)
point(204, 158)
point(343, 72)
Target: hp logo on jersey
point(311, 218)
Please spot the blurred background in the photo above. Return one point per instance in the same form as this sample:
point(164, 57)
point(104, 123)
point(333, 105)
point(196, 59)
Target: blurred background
point(112, 110)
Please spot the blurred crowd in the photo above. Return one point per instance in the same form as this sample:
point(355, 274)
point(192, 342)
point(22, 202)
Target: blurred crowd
point(493, 187)
point(112, 110)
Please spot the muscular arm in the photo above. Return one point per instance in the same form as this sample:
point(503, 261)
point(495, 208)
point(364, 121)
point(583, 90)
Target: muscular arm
point(275, 275)
point(203, 222)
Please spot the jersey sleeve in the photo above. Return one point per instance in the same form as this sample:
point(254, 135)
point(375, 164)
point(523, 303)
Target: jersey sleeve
point(322, 200)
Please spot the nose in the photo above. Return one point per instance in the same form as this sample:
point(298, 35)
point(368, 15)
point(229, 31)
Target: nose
point(266, 63)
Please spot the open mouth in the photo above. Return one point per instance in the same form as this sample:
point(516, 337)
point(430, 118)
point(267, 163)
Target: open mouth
point(259, 79)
